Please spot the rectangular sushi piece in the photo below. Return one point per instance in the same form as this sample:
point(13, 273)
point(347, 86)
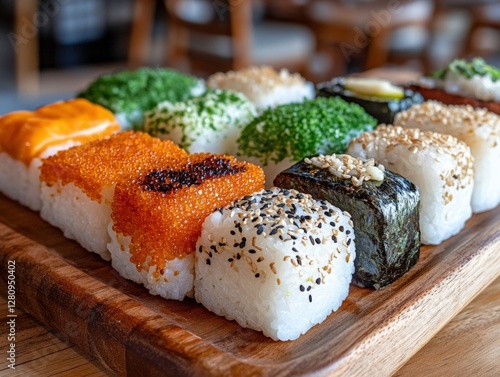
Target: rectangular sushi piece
point(78, 184)
point(380, 98)
point(277, 261)
point(264, 86)
point(478, 128)
point(27, 137)
point(130, 94)
point(384, 207)
point(440, 166)
point(157, 217)
point(211, 122)
point(284, 135)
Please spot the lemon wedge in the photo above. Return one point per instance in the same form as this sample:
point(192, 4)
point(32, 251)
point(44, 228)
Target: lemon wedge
point(374, 87)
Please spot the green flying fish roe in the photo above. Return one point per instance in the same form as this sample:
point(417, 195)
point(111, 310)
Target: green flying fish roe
point(215, 110)
point(131, 93)
point(295, 131)
point(468, 70)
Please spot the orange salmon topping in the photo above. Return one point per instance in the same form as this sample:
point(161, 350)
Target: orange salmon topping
point(163, 210)
point(25, 135)
point(106, 162)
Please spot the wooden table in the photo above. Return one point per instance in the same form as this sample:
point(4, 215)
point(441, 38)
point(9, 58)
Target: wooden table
point(468, 346)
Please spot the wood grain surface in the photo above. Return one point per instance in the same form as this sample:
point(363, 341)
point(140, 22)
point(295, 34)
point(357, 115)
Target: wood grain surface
point(467, 346)
point(131, 332)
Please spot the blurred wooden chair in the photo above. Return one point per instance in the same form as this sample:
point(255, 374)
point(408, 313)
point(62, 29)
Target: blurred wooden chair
point(484, 16)
point(379, 32)
point(209, 36)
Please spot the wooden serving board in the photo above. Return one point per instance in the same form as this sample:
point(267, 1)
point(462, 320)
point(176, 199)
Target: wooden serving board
point(81, 297)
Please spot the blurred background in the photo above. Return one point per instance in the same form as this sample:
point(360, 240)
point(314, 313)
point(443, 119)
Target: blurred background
point(51, 49)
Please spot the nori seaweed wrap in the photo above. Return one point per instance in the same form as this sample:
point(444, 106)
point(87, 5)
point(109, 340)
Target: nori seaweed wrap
point(385, 216)
point(381, 108)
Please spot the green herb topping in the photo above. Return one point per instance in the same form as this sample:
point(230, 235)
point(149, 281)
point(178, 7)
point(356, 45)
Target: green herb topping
point(295, 131)
point(466, 69)
point(130, 92)
point(221, 111)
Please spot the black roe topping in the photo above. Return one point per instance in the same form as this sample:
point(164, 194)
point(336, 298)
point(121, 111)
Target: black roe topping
point(165, 181)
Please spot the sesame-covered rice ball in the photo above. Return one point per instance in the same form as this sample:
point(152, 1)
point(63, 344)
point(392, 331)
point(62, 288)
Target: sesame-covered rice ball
point(277, 261)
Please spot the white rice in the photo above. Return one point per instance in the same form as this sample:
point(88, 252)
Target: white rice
point(22, 183)
point(479, 87)
point(265, 87)
point(272, 169)
point(175, 283)
point(439, 165)
point(78, 216)
point(478, 128)
point(281, 287)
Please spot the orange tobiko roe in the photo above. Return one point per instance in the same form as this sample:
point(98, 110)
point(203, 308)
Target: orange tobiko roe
point(25, 135)
point(165, 222)
point(101, 163)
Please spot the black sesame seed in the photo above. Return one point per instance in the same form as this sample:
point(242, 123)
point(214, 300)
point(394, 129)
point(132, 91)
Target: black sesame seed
point(243, 243)
point(294, 249)
point(238, 256)
point(348, 242)
point(257, 275)
point(232, 232)
point(230, 259)
point(260, 229)
point(311, 239)
point(332, 224)
point(200, 249)
point(328, 214)
point(341, 228)
point(334, 239)
point(273, 232)
point(308, 288)
point(252, 251)
point(299, 260)
point(208, 262)
point(318, 281)
point(302, 288)
point(347, 232)
point(310, 298)
point(318, 241)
